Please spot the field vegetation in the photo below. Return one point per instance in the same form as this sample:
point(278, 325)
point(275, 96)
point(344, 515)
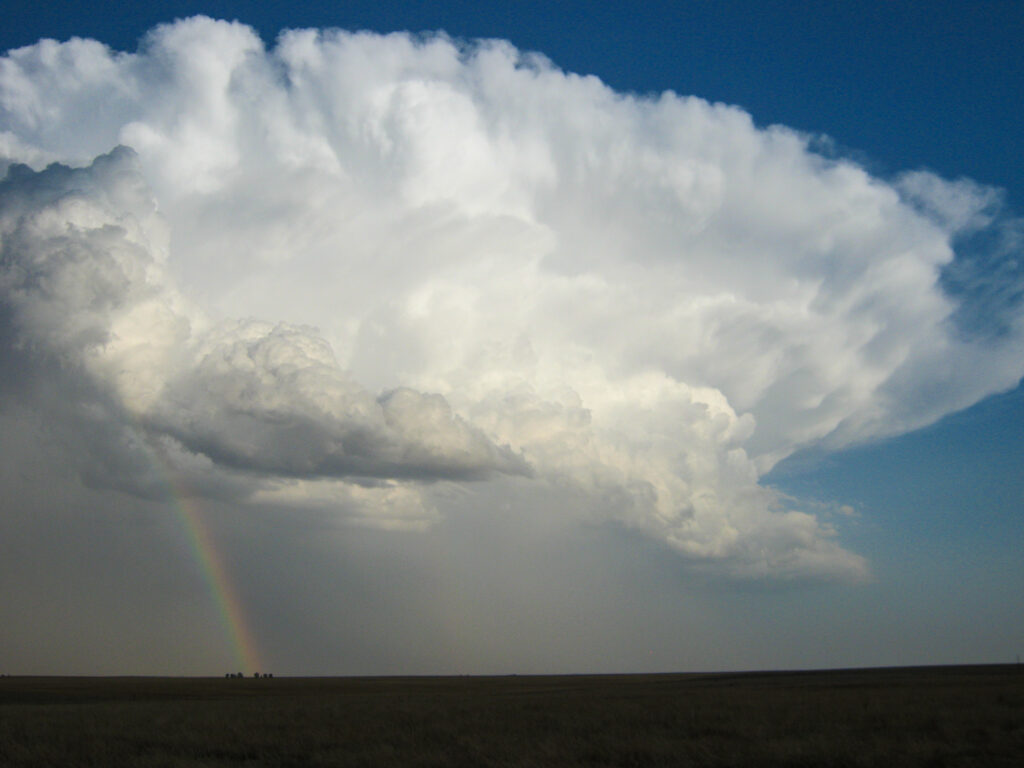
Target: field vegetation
point(943, 716)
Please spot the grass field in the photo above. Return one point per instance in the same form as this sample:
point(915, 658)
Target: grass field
point(940, 716)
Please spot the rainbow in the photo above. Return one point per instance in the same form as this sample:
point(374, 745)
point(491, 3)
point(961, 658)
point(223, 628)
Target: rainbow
point(225, 595)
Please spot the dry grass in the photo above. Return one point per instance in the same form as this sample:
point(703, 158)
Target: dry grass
point(950, 716)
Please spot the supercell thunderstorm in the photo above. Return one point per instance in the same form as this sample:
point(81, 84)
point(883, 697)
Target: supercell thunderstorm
point(350, 271)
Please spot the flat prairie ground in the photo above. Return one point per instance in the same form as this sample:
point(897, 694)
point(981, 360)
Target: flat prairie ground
point(937, 716)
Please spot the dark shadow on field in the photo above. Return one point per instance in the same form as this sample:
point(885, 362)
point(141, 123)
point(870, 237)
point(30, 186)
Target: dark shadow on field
point(927, 716)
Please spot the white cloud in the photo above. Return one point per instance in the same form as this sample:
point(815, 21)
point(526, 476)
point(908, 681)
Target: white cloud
point(648, 301)
point(85, 286)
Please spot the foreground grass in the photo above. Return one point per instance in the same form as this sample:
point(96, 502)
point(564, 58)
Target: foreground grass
point(952, 716)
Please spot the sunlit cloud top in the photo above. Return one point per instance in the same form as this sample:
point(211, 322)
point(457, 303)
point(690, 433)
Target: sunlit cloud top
point(352, 270)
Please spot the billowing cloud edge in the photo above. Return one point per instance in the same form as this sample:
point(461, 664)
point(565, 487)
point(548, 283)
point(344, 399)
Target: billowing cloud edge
point(648, 300)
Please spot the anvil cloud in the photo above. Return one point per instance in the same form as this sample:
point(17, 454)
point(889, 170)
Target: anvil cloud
point(352, 270)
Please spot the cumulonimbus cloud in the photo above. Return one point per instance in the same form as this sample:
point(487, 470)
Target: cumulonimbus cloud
point(466, 263)
point(84, 280)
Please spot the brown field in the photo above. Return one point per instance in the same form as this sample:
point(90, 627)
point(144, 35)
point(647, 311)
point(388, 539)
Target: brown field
point(939, 716)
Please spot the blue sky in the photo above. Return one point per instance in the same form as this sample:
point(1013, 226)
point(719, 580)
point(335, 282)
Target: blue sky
point(937, 512)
